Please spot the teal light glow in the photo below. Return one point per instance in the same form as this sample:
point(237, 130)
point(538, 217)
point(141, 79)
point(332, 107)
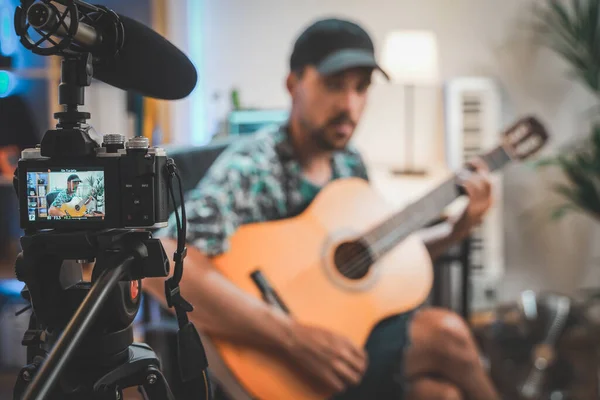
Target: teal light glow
point(7, 83)
point(198, 126)
point(8, 38)
point(11, 287)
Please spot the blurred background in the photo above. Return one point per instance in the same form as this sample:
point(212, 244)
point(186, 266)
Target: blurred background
point(475, 66)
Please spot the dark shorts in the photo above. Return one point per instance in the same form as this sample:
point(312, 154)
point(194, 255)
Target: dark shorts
point(385, 346)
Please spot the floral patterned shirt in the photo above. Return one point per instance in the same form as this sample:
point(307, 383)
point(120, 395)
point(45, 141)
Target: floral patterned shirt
point(255, 179)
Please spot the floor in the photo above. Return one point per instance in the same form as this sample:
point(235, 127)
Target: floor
point(7, 382)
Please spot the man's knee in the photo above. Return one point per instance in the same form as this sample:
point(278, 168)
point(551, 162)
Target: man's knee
point(433, 389)
point(451, 393)
point(446, 338)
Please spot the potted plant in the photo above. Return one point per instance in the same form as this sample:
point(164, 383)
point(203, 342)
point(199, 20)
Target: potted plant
point(572, 30)
point(96, 183)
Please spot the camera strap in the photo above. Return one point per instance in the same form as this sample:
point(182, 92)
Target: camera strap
point(191, 355)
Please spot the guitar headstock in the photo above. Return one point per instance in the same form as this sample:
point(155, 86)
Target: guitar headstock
point(526, 137)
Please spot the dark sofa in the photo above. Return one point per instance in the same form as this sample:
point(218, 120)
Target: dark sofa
point(194, 161)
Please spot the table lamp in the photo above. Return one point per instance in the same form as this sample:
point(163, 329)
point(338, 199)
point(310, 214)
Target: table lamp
point(411, 59)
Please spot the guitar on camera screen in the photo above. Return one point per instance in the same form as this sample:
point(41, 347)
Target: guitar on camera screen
point(65, 194)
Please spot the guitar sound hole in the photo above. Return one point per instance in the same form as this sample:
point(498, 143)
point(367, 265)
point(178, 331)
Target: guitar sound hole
point(353, 259)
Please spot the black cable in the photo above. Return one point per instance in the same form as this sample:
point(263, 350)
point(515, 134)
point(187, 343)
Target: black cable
point(178, 273)
point(193, 364)
point(181, 226)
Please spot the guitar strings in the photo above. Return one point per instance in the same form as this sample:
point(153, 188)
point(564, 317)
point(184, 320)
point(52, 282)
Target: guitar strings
point(495, 159)
point(365, 258)
point(444, 192)
point(411, 220)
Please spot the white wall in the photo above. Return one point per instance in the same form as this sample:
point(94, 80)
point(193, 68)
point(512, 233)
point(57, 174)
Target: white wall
point(108, 108)
point(247, 45)
point(177, 25)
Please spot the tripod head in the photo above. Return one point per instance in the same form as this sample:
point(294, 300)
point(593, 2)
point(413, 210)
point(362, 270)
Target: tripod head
point(55, 305)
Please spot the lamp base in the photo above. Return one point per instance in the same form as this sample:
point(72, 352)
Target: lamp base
point(408, 171)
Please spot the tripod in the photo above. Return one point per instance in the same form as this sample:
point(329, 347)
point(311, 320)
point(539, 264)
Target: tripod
point(100, 331)
point(80, 338)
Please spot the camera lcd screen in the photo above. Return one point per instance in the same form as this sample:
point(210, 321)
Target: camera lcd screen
point(65, 194)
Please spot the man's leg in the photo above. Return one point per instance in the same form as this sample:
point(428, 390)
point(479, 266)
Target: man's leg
point(385, 348)
point(433, 389)
point(443, 356)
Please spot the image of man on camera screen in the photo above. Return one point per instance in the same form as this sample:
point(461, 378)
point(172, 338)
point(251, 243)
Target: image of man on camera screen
point(75, 201)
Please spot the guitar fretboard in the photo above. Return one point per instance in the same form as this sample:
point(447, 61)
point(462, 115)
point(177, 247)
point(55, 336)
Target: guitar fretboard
point(418, 214)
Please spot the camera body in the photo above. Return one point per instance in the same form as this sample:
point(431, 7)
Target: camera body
point(120, 185)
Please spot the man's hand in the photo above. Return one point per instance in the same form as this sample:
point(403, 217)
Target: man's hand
point(477, 185)
point(332, 360)
point(479, 189)
point(56, 212)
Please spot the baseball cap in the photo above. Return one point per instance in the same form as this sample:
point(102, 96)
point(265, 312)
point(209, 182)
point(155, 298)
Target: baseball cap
point(73, 178)
point(332, 45)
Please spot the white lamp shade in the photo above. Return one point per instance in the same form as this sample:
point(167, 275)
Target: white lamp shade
point(411, 57)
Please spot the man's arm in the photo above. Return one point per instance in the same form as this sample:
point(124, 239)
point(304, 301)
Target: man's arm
point(440, 237)
point(56, 212)
point(221, 309)
point(54, 209)
point(224, 311)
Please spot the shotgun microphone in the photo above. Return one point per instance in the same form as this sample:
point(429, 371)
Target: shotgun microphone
point(126, 54)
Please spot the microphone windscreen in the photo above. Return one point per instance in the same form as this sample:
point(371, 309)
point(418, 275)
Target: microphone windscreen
point(148, 64)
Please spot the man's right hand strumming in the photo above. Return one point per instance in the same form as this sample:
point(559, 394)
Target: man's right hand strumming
point(56, 212)
point(331, 359)
point(223, 310)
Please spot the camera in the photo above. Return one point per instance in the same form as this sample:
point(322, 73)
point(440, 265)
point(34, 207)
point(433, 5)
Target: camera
point(124, 185)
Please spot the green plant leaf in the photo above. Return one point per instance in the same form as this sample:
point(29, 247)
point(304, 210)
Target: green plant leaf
point(571, 28)
point(573, 33)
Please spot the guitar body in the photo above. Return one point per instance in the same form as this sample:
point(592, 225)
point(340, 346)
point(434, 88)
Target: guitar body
point(74, 208)
point(296, 256)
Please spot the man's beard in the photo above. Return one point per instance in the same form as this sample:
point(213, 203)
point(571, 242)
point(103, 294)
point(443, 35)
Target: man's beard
point(320, 138)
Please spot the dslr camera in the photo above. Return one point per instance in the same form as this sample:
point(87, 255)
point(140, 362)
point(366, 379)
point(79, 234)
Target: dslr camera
point(124, 185)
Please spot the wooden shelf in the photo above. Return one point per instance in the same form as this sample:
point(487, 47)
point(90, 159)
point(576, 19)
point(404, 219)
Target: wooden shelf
point(8, 256)
point(31, 73)
point(7, 271)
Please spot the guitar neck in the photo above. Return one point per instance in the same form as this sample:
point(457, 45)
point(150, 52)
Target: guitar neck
point(418, 214)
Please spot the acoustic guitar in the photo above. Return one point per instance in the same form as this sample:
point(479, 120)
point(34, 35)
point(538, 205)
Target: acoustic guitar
point(344, 264)
point(77, 207)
